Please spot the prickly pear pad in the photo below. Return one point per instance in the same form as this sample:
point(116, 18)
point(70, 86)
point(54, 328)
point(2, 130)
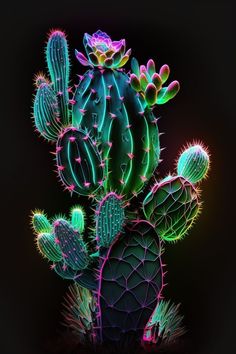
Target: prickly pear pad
point(131, 280)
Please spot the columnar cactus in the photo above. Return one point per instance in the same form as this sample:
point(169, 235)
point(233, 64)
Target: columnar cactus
point(107, 148)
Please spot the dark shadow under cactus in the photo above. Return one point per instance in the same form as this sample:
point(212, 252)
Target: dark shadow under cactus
point(67, 343)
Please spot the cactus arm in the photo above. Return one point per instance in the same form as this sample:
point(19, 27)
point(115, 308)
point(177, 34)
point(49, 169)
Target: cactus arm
point(46, 112)
point(193, 163)
point(60, 241)
point(40, 222)
point(79, 162)
point(77, 219)
point(109, 219)
point(48, 247)
point(173, 204)
point(58, 65)
point(73, 248)
point(45, 239)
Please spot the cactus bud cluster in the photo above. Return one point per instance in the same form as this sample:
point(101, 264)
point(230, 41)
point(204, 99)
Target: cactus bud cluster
point(149, 83)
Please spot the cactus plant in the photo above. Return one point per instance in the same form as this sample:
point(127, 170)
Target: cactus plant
point(107, 148)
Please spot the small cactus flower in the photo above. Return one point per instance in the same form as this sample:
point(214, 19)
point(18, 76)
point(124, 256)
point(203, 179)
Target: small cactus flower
point(103, 52)
point(149, 83)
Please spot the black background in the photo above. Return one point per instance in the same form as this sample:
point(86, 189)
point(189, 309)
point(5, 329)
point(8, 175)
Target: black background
point(197, 40)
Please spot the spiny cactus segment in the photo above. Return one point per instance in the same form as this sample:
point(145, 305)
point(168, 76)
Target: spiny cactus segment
point(79, 162)
point(74, 249)
point(40, 222)
point(193, 163)
point(46, 111)
point(173, 204)
point(172, 207)
point(77, 218)
point(48, 247)
point(51, 103)
point(130, 282)
point(109, 219)
point(58, 66)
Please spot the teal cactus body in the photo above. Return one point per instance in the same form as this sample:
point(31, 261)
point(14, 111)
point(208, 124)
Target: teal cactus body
point(193, 163)
point(77, 219)
point(172, 206)
point(109, 220)
point(73, 248)
point(46, 112)
point(108, 149)
point(79, 162)
point(106, 104)
point(58, 65)
point(48, 247)
point(130, 282)
point(41, 223)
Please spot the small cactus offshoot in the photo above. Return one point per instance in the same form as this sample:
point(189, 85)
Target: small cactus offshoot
point(78, 162)
point(193, 163)
point(172, 206)
point(73, 248)
point(109, 219)
point(107, 148)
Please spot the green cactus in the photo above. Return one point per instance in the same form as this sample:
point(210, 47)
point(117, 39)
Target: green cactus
point(51, 103)
point(106, 105)
point(77, 218)
point(108, 149)
point(109, 219)
point(46, 111)
point(40, 222)
point(73, 248)
point(193, 163)
point(58, 66)
point(172, 206)
point(79, 162)
point(48, 247)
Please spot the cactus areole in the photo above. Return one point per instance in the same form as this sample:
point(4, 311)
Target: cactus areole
point(107, 148)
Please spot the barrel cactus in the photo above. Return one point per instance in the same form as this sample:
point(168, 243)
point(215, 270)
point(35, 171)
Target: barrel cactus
point(107, 148)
